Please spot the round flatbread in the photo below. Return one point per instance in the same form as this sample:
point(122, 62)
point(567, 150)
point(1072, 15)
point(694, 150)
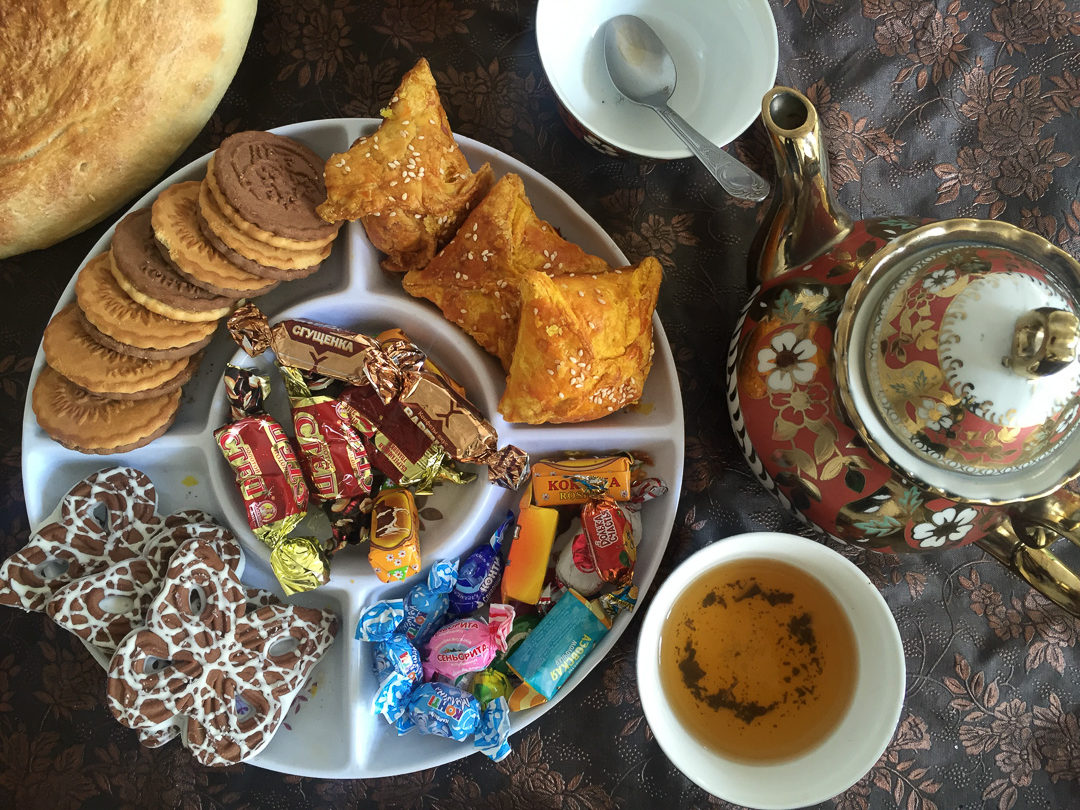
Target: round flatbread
point(98, 99)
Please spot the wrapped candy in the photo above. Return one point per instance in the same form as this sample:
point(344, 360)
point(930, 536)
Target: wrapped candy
point(438, 405)
point(394, 551)
point(270, 480)
point(560, 641)
point(446, 710)
point(488, 685)
point(577, 480)
point(468, 645)
point(479, 574)
point(604, 548)
point(530, 550)
point(395, 660)
point(317, 348)
point(331, 451)
point(397, 447)
point(522, 626)
point(426, 604)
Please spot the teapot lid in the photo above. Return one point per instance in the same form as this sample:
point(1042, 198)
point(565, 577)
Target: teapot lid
point(956, 358)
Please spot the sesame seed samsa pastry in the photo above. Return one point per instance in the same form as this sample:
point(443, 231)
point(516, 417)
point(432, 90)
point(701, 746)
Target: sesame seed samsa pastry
point(573, 333)
point(475, 280)
point(584, 345)
point(408, 183)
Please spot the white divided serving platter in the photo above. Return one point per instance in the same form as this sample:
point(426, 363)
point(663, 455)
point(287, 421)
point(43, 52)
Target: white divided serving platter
point(330, 732)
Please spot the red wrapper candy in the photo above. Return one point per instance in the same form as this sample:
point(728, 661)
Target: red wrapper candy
point(398, 448)
point(262, 458)
point(331, 451)
point(270, 481)
point(609, 540)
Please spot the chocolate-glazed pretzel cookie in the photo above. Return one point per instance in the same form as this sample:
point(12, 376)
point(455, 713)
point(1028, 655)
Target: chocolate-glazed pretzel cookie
point(104, 607)
point(227, 673)
point(104, 519)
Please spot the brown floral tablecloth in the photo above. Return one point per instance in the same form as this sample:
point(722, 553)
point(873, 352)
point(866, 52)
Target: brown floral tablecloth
point(941, 109)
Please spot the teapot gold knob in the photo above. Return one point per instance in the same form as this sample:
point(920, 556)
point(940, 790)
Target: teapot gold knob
point(1045, 340)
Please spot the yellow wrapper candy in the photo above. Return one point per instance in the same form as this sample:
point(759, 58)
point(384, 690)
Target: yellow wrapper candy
point(299, 564)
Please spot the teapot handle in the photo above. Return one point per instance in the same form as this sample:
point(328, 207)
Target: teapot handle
point(1023, 543)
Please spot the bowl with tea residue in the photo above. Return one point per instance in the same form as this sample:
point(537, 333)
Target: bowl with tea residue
point(771, 670)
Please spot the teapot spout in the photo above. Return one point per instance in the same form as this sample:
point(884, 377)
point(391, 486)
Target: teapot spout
point(805, 219)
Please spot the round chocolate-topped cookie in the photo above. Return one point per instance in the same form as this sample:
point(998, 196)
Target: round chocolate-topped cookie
point(249, 265)
point(176, 226)
point(273, 182)
point(136, 256)
point(122, 324)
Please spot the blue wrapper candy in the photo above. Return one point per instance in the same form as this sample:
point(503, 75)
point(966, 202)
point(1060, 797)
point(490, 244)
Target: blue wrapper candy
point(426, 604)
point(447, 711)
point(480, 572)
point(396, 662)
point(398, 668)
point(380, 621)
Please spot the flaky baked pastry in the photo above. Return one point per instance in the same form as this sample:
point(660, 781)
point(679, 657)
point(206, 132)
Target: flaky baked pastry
point(475, 280)
point(408, 183)
point(574, 334)
point(584, 344)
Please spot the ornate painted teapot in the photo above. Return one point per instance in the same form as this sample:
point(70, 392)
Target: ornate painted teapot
point(907, 385)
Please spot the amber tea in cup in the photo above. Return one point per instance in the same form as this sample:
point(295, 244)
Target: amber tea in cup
point(757, 660)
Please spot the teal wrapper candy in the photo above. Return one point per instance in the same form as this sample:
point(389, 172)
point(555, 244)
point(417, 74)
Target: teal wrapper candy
point(561, 641)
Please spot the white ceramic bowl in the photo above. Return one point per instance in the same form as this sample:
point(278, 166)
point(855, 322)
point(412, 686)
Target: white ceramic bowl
point(852, 748)
point(725, 54)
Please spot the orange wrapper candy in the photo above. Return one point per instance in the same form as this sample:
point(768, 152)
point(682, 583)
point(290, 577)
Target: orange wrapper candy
point(394, 552)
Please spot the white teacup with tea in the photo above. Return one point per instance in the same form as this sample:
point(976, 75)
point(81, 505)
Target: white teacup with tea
point(771, 670)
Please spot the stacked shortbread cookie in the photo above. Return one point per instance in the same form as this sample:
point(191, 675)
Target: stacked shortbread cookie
point(118, 356)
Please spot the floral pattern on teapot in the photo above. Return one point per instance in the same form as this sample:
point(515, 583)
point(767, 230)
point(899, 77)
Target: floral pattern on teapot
point(789, 419)
point(931, 384)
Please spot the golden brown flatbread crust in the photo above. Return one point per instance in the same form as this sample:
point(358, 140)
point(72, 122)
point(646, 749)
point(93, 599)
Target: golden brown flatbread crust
point(97, 99)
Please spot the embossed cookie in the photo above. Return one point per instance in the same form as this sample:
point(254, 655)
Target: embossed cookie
point(253, 230)
point(145, 275)
point(175, 220)
point(103, 519)
point(251, 248)
point(274, 183)
point(70, 350)
point(127, 326)
point(246, 264)
point(82, 421)
point(105, 606)
point(224, 673)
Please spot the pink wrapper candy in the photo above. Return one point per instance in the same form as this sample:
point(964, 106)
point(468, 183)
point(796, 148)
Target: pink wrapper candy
point(468, 645)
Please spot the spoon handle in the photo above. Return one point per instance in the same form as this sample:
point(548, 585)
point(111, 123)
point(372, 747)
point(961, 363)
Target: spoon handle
point(737, 179)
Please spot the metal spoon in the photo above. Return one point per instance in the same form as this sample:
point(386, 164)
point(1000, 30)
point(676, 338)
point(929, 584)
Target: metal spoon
point(642, 69)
